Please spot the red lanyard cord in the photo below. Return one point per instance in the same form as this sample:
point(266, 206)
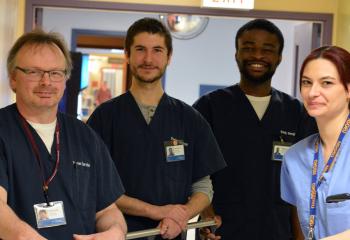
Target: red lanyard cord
point(35, 148)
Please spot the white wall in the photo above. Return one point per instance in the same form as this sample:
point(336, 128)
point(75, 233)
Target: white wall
point(206, 59)
point(302, 33)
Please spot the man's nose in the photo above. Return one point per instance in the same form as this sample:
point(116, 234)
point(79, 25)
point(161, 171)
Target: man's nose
point(148, 57)
point(45, 80)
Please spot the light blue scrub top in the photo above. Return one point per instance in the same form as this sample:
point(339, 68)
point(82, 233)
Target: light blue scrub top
point(331, 218)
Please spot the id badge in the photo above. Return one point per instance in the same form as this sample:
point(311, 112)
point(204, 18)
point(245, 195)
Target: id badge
point(279, 149)
point(174, 150)
point(49, 216)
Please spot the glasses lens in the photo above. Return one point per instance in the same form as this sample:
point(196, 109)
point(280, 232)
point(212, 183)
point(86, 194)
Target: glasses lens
point(57, 76)
point(34, 75)
point(37, 75)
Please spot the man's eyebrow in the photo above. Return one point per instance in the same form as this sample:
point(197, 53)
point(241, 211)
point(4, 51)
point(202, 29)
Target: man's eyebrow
point(248, 42)
point(265, 44)
point(142, 46)
point(270, 45)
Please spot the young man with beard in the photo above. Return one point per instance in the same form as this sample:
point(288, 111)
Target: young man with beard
point(249, 120)
point(142, 125)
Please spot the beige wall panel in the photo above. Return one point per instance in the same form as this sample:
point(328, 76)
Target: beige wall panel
point(8, 31)
point(343, 30)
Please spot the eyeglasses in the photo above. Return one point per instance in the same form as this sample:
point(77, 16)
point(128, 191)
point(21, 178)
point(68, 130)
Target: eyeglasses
point(36, 75)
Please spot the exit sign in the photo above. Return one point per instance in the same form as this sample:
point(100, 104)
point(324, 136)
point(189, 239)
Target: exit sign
point(231, 4)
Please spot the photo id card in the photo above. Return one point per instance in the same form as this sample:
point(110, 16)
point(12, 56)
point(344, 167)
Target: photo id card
point(49, 216)
point(279, 149)
point(174, 150)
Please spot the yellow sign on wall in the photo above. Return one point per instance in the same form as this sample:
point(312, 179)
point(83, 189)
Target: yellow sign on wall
point(231, 4)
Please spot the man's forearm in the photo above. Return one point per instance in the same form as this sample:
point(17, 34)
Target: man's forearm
point(11, 227)
point(109, 218)
point(197, 203)
point(182, 213)
point(136, 207)
point(208, 212)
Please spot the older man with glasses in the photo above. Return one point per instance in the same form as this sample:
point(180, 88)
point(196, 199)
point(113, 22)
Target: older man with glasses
point(50, 162)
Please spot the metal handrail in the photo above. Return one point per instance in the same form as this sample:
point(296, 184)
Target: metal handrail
point(156, 231)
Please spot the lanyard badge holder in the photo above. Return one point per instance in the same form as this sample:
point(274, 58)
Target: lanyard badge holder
point(310, 235)
point(48, 214)
point(174, 150)
point(316, 183)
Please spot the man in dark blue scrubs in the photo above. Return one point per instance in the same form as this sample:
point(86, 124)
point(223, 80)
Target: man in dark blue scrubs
point(142, 127)
point(249, 120)
point(57, 179)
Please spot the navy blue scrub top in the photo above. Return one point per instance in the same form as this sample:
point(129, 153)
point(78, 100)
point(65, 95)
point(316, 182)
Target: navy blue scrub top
point(138, 151)
point(86, 181)
point(247, 191)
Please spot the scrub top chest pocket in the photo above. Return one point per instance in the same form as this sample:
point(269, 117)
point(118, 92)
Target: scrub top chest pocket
point(338, 216)
point(174, 150)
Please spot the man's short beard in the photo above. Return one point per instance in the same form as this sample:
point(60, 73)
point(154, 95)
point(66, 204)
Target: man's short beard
point(152, 80)
point(257, 80)
point(148, 81)
point(242, 66)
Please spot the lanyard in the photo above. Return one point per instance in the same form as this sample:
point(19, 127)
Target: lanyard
point(35, 148)
point(316, 183)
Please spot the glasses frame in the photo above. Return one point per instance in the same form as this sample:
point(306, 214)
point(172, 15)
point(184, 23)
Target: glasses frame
point(40, 74)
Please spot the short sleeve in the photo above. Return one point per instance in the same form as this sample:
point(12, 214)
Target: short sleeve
point(287, 190)
point(99, 119)
point(208, 156)
point(109, 184)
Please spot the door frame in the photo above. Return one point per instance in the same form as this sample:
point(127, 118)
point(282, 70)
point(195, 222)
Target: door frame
point(33, 13)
